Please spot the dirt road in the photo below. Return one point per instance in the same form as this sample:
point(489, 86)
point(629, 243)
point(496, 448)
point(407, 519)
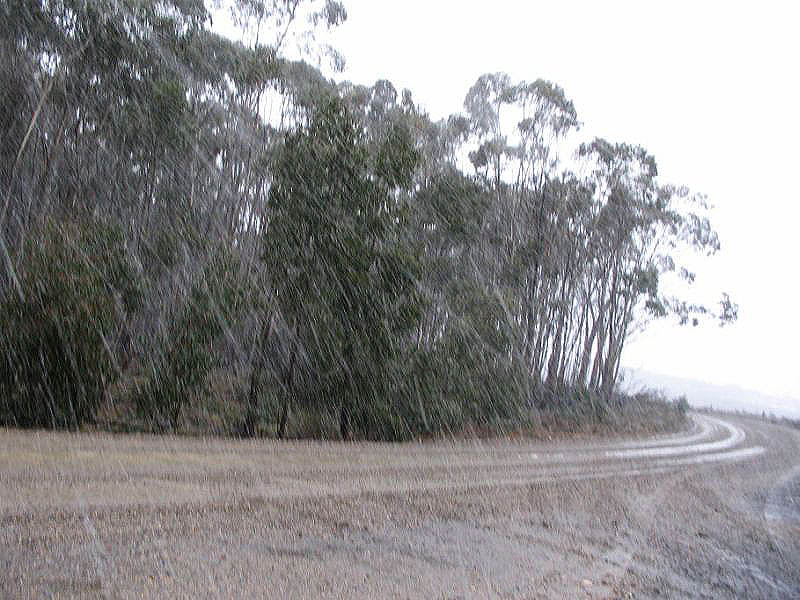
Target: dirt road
point(713, 512)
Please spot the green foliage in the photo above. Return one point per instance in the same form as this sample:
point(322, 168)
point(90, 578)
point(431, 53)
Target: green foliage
point(58, 352)
point(344, 280)
point(319, 241)
point(188, 351)
point(682, 404)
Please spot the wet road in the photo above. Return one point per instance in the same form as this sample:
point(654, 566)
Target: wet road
point(709, 512)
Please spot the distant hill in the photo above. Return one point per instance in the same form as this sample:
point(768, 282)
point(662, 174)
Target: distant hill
point(702, 394)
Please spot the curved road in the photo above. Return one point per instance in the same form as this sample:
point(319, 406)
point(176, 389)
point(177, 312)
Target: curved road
point(712, 512)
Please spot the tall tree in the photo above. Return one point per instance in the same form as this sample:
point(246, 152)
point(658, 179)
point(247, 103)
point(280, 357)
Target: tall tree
point(343, 280)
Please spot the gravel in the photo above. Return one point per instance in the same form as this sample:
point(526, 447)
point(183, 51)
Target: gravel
point(98, 515)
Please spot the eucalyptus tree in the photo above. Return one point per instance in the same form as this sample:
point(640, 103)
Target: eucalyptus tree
point(99, 123)
point(327, 240)
point(484, 104)
point(136, 113)
point(575, 259)
point(343, 280)
point(638, 224)
point(547, 117)
point(518, 128)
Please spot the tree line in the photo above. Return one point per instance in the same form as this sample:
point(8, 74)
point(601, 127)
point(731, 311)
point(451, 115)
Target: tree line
point(188, 216)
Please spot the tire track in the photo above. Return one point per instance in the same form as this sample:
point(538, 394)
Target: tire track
point(193, 477)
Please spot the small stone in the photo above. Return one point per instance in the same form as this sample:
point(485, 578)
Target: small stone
point(586, 583)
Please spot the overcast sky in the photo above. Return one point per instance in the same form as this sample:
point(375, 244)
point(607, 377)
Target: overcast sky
point(710, 88)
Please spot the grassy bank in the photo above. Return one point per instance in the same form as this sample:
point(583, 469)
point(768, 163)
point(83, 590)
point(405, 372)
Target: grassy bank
point(578, 415)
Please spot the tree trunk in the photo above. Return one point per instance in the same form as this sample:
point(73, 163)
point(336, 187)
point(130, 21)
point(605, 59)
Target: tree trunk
point(288, 391)
point(249, 428)
point(284, 420)
point(344, 421)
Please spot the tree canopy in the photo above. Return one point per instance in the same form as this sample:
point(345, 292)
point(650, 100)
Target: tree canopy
point(193, 225)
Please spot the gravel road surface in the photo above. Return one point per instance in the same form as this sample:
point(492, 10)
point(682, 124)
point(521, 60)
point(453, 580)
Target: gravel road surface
point(713, 512)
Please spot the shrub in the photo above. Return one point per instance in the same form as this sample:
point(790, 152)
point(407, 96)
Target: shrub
point(57, 354)
point(682, 404)
point(186, 353)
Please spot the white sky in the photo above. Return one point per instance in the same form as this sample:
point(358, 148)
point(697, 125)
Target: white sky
point(710, 88)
